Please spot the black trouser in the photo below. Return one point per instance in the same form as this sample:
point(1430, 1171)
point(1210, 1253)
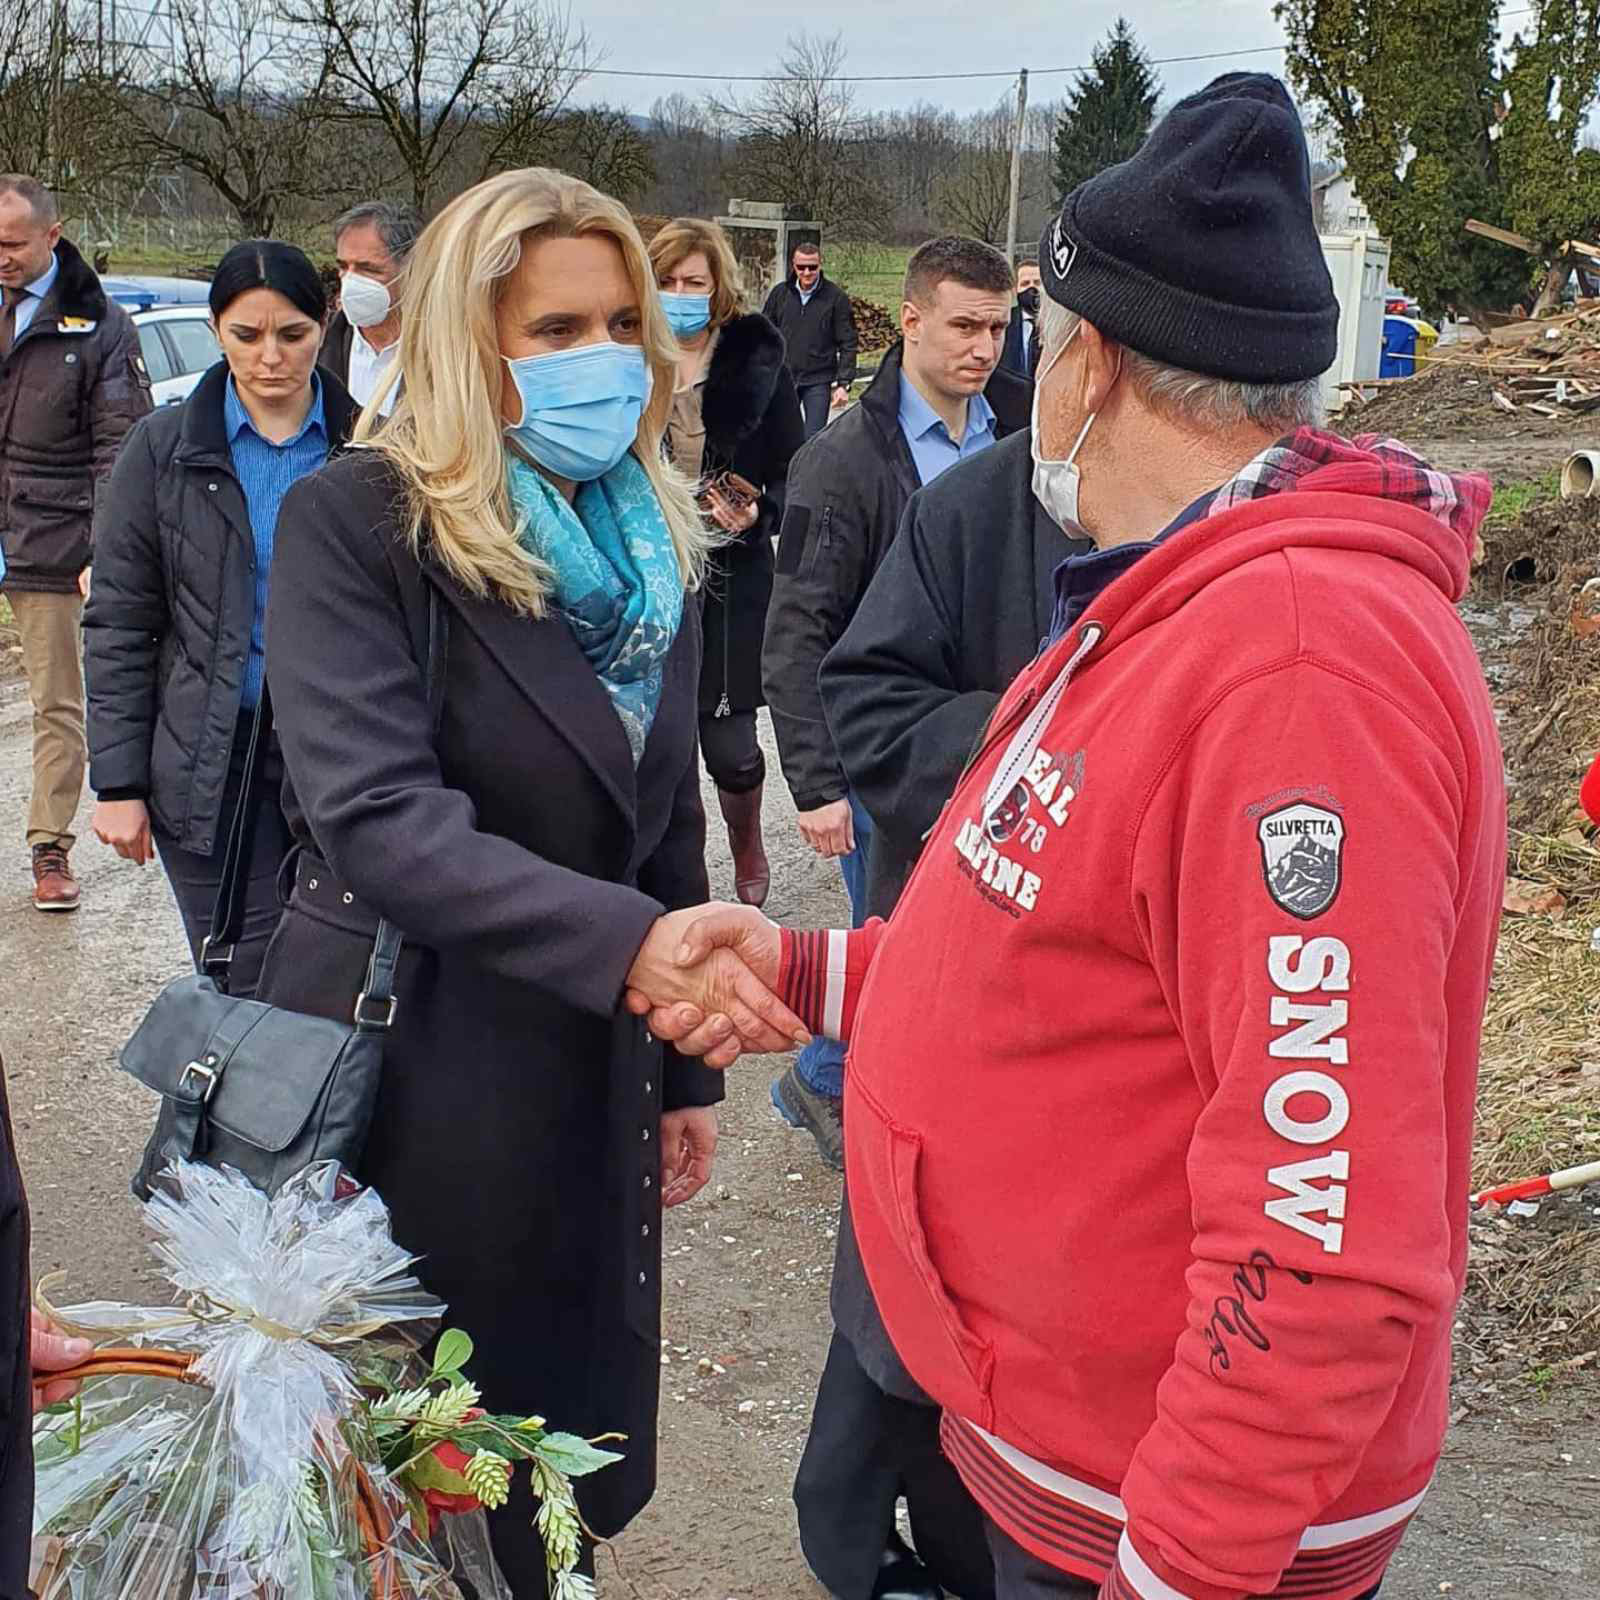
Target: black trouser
point(732, 751)
point(195, 878)
point(815, 402)
point(1019, 1575)
point(866, 1449)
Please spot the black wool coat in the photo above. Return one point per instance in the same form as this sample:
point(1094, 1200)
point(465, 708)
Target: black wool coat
point(847, 492)
point(524, 859)
point(957, 609)
point(16, 1386)
point(166, 632)
point(753, 427)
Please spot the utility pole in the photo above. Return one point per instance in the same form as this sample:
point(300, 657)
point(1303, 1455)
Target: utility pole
point(1016, 165)
point(56, 78)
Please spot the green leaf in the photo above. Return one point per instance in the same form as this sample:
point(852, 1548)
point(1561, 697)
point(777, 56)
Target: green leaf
point(576, 1457)
point(452, 1353)
point(429, 1472)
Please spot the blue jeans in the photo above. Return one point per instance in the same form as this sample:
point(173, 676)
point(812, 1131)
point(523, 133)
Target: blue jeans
point(821, 1064)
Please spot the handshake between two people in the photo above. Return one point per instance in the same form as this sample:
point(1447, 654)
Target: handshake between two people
point(706, 980)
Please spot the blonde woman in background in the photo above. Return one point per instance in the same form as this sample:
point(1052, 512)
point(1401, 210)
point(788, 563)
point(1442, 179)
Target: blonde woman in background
point(528, 839)
point(734, 411)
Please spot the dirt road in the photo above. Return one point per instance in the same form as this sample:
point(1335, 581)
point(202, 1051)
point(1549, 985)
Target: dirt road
point(1515, 1514)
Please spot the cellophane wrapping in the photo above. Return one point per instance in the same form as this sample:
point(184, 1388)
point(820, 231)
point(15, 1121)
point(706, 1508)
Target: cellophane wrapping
point(259, 1480)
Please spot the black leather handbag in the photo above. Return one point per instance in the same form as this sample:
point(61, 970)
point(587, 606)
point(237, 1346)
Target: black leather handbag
point(250, 1085)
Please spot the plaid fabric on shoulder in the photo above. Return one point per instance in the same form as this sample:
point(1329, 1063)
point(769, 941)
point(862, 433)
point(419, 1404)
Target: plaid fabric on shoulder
point(1398, 473)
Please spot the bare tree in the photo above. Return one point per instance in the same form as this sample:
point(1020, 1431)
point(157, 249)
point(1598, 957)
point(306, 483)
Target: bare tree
point(974, 196)
point(689, 154)
point(601, 145)
point(801, 139)
point(231, 96)
point(58, 81)
point(485, 80)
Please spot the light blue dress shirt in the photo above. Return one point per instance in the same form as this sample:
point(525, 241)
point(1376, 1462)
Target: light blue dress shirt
point(932, 448)
point(266, 471)
point(32, 294)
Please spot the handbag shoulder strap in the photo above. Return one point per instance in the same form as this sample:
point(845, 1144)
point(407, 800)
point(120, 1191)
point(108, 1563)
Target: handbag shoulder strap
point(375, 1005)
point(227, 916)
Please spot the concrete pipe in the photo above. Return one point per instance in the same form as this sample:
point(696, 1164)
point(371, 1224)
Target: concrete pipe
point(1580, 477)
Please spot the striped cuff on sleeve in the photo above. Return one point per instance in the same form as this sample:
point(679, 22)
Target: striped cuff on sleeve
point(821, 974)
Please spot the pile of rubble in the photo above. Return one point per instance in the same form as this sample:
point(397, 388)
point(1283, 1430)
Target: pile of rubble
point(1538, 377)
point(1546, 367)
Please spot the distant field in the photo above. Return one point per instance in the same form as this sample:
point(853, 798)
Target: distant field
point(873, 271)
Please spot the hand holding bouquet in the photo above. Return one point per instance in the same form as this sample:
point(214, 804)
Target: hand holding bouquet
point(275, 1434)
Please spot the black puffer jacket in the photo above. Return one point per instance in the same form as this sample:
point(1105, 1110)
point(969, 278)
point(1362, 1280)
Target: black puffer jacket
point(753, 427)
point(167, 627)
point(70, 389)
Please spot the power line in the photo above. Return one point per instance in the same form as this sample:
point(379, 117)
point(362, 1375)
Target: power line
point(913, 77)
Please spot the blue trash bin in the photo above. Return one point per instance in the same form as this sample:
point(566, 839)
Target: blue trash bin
point(1399, 359)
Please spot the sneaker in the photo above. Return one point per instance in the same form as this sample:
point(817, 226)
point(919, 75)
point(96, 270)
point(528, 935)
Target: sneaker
point(54, 887)
point(820, 1115)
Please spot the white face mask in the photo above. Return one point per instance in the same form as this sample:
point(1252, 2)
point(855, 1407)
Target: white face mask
point(1055, 483)
point(364, 301)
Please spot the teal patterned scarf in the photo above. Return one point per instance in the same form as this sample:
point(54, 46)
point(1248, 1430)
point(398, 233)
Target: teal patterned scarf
point(615, 575)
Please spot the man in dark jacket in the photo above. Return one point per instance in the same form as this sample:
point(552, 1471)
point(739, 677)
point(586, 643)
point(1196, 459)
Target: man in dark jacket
point(372, 243)
point(819, 335)
point(72, 383)
point(955, 612)
point(1021, 353)
point(937, 400)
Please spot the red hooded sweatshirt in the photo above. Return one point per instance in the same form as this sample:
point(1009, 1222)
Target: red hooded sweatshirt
point(1160, 1089)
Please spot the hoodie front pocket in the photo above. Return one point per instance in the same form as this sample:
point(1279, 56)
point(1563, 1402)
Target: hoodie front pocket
point(925, 1324)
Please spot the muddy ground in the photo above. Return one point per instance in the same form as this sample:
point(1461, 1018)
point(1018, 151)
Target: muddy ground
point(1515, 1514)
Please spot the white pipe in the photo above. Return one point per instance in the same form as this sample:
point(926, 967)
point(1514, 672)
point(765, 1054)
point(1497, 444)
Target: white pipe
point(1580, 477)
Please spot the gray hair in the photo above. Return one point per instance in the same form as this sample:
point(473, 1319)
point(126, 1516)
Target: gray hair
point(40, 200)
point(398, 226)
point(1193, 397)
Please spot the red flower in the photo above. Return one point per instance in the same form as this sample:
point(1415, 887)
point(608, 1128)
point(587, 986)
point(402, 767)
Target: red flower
point(440, 1503)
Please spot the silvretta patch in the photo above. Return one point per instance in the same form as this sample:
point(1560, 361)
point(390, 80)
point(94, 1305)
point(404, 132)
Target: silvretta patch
point(1302, 857)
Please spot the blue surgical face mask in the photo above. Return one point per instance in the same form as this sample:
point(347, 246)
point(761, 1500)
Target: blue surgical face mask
point(687, 314)
point(580, 408)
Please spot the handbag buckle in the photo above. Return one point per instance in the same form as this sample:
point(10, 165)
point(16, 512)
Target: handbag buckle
point(366, 1022)
point(210, 1069)
point(212, 960)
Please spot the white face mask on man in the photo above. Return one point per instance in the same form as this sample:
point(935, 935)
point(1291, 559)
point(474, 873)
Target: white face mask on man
point(1056, 483)
point(364, 301)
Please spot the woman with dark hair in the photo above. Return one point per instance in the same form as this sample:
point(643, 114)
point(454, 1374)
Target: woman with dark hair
point(735, 423)
point(173, 632)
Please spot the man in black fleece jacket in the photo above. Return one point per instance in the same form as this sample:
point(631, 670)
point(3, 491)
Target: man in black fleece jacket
point(819, 335)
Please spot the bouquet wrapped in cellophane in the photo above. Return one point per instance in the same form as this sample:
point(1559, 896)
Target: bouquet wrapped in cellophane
point(275, 1434)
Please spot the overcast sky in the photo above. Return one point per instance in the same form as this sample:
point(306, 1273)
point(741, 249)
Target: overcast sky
point(918, 36)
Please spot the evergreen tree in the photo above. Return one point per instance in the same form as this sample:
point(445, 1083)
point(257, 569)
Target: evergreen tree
point(1108, 113)
point(1438, 122)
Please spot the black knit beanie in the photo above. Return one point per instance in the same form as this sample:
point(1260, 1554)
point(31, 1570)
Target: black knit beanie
point(1201, 250)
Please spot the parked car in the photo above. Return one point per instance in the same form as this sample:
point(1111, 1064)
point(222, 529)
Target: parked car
point(141, 294)
point(177, 345)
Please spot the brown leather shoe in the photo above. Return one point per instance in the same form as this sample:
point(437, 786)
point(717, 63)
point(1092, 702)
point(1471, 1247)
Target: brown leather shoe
point(752, 877)
point(54, 887)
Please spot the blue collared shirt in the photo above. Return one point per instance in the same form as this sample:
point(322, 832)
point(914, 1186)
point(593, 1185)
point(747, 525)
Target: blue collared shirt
point(265, 471)
point(32, 294)
point(932, 448)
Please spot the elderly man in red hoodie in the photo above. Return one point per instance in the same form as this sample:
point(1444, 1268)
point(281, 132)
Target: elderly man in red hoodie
point(1160, 1085)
